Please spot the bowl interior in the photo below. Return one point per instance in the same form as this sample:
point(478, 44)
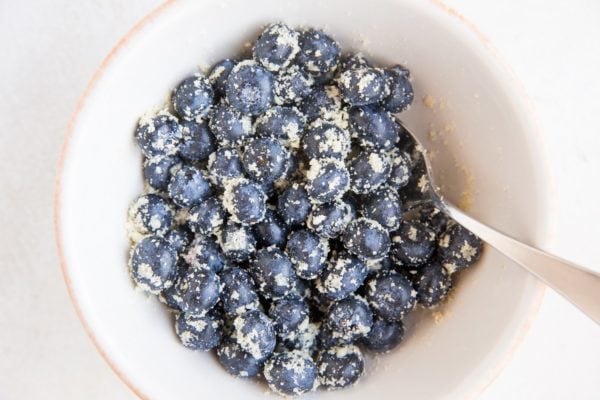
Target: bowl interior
point(472, 120)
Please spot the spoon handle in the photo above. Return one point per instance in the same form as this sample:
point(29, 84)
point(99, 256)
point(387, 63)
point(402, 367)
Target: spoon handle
point(579, 285)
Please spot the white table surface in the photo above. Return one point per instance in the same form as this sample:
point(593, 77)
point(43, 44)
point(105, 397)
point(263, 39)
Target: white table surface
point(48, 52)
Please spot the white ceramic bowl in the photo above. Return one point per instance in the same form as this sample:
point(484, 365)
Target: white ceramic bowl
point(489, 149)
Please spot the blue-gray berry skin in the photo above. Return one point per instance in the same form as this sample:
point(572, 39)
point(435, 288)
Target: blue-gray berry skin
point(159, 135)
point(238, 294)
point(366, 239)
point(349, 319)
point(237, 241)
point(150, 213)
point(245, 201)
point(324, 139)
point(321, 102)
point(329, 220)
point(204, 252)
point(276, 47)
point(199, 332)
point(362, 86)
point(292, 86)
point(401, 169)
point(458, 248)
point(249, 88)
point(432, 284)
point(290, 317)
point(368, 171)
point(179, 238)
point(198, 141)
point(218, 75)
point(326, 180)
point(153, 264)
point(342, 276)
point(170, 296)
point(207, 217)
point(290, 373)
point(199, 289)
point(390, 295)
point(413, 244)
point(340, 366)
point(157, 171)
point(401, 92)
point(255, 334)
point(308, 252)
point(188, 187)
point(319, 53)
point(236, 361)
point(274, 273)
point(433, 217)
point(229, 126)
point(384, 206)
point(265, 160)
point(281, 122)
point(223, 165)
point(374, 127)
point(293, 204)
point(384, 336)
point(193, 97)
point(271, 231)
point(353, 61)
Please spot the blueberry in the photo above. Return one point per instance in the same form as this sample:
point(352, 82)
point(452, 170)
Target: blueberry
point(276, 47)
point(305, 340)
point(433, 217)
point(244, 201)
point(342, 276)
point(319, 53)
point(265, 160)
point(198, 141)
point(255, 334)
point(375, 128)
point(323, 139)
point(432, 284)
point(153, 264)
point(158, 171)
point(290, 317)
point(292, 86)
point(193, 97)
point(199, 332)
point(179, 238)
point(218, 75)
point(224, 164)
point(308, 252)
point(206, 217)
point(199, 289)
point(362, 86)
point(323, 102)
point(236, 361)
point(272, 270)
point(401, 172)
point(353, 61)
point(159, 135)
point(340, 366)
point(384, 206)
point(283, 123)
point(188, 187)
point(228, 125)
point(413, 243)
point(170, 296)
point(293, 204)
point(238, 294)
point(384, 335)
point(327, 180)
point(366, 239)
point(401, 91)
point(326, 338)
point(249, 88)
point(349, 319)
point(390, 295)
point(237, 242)
point(150, 213)
point(290, 373)
point(368, 171)
point(204, 252)
point(271, 231)
point(329, 220)
point(458, 248)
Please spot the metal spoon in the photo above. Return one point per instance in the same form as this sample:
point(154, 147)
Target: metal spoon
point(579, 285)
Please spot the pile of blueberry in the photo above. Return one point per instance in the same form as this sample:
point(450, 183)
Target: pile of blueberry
point(277, 223)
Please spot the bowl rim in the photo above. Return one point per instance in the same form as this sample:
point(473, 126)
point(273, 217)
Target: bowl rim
point(156, 12)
